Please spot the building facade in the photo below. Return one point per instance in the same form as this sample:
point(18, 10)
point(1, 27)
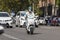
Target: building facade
point(47, 7)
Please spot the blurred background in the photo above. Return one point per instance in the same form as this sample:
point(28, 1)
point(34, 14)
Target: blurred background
point(40, 7)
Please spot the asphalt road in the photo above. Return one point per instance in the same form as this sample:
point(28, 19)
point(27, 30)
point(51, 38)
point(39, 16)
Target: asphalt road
point(40, 33)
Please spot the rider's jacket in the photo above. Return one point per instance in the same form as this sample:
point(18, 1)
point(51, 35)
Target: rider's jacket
point(30, 15)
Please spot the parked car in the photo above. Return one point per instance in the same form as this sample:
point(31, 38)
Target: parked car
point(36, 21)
point(54, 21)
point(21, 18)
point(1, 29)
point(5, 19)
point(58, 21)
point(42, 20)
point(47, 19)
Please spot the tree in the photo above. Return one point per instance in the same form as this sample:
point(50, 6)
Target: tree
point(34, 7)
point(58, 11)
point(17, 5)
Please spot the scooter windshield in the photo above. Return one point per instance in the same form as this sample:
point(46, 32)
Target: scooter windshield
point(30, 16)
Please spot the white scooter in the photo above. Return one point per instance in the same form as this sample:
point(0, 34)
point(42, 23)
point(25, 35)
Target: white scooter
point(31, 25)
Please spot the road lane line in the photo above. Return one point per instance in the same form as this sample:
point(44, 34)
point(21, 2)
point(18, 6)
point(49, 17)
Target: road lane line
point(12, 37)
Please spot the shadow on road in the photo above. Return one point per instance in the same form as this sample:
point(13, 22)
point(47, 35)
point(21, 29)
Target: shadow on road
point(36, 33)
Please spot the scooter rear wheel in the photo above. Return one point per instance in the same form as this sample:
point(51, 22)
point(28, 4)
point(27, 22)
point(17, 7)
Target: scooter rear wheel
point(31, 30)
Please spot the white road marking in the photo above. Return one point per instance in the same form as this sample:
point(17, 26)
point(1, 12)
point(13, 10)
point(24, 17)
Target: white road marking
point(12, 37)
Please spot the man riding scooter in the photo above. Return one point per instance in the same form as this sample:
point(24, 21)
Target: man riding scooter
point(30, 22)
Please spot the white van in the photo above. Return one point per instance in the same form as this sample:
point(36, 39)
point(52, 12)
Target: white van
point(20, 18)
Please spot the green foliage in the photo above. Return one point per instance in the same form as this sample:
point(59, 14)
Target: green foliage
point(58, 2)
point(39, 12)
point(17, 5)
